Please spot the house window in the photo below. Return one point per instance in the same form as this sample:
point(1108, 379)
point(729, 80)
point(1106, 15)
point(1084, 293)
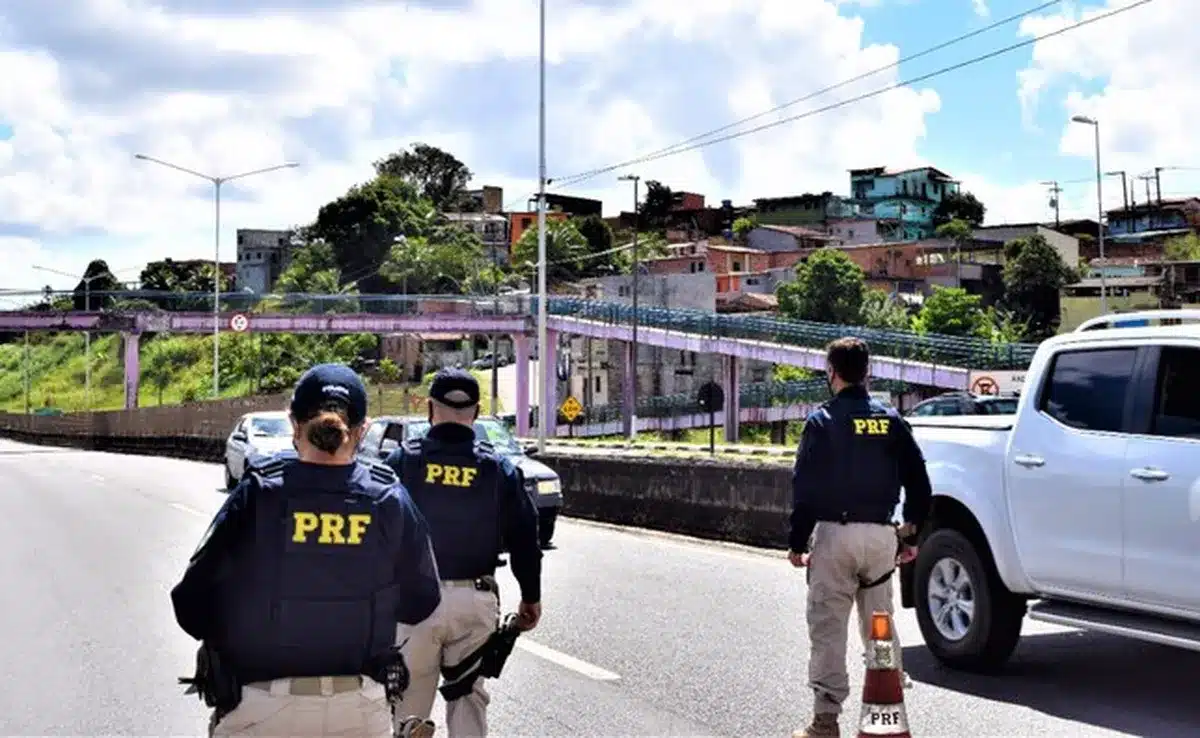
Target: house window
point(701, 265)
point(623, 291)
point(924, 190)
point(752, 281)
point(525, 222)
point(904, 187)
point(737, 266)
point(850, 233)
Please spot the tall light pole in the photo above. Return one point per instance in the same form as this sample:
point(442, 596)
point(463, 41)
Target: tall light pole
point(1099, 206)
point(216, 182)
point(543, 350)
point(87, 335)
point(634, 343)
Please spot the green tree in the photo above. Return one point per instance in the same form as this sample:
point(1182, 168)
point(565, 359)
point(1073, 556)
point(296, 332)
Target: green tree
point(742, 228)
point(448, 261)
point(362, 226)
point(437, 175)
point(829, 288)
point(959, 206)
point(566, 249)
point(599, 237)
point(952, 311)
point(656, 205)
point(1033, 279)
point(880, 310)
point(1182, 248)
point(960, 232)
point(96, 279)
point(649, 245)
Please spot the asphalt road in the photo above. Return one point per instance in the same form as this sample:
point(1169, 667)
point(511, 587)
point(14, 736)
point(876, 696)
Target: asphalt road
point(643, 634)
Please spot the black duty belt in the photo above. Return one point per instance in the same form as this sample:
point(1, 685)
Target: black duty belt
point(857, 516)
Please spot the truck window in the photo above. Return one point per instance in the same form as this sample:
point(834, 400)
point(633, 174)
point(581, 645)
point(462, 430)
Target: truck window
point(1177, 403)
point(1087, 389)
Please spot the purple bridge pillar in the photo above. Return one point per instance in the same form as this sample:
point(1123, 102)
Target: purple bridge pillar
point(133, 368)
point(548, 366)
point(628, 411)
point(733, 405)
point(521, 348)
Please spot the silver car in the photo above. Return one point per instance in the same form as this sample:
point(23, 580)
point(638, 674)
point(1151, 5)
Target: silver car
point(255, 433)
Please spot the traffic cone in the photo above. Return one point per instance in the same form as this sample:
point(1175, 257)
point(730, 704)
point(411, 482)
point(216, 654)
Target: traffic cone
point(883, 712)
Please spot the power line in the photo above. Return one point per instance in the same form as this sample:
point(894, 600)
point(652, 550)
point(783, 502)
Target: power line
point(576, 179)
point(831, 88)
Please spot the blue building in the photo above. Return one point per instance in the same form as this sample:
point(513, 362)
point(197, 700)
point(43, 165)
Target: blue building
point(903, 202)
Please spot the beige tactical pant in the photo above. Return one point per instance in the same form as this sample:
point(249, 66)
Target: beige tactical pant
point(843, 556)
point(462, 623)
point(333, 706)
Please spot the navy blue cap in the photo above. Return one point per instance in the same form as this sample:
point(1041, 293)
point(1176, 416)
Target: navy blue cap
point(326, 383)
point(455, 388)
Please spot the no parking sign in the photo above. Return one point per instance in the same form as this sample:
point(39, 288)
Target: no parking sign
point(239, 323)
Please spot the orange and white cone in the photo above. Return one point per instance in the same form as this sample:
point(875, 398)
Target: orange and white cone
point(883, 712)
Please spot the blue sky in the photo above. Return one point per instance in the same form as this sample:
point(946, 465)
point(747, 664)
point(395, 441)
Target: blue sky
point(335, 84)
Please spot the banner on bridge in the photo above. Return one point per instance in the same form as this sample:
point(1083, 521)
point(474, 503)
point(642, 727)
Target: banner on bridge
point(997, 382)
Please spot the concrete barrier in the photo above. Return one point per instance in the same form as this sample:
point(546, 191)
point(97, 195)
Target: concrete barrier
point(742, 500)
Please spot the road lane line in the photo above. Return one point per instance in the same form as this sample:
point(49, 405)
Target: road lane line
point(590, 671)
point(186, 509)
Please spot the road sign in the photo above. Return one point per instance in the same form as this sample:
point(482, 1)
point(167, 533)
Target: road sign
point(996, 382)
point(711, 397)
point(239, 323)
point(570, 409)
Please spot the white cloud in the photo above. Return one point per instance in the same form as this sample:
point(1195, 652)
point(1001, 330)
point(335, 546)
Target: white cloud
point(1138, 74)
point(980, 7)
point(224, 86)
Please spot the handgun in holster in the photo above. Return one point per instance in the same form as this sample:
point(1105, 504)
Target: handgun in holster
point(214, 682)
point(389, 669)
point(491, 657)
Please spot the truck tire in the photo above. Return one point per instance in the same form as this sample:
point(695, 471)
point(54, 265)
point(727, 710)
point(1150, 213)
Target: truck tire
point(951, 572)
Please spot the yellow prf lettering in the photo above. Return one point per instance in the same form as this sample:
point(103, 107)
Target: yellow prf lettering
point(333, 527)
point(871, 426)
point(433, 472)
point(305, 523)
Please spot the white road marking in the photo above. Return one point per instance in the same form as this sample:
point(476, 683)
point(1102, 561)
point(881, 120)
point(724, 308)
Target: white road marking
point(186, 509)
point(590, 671)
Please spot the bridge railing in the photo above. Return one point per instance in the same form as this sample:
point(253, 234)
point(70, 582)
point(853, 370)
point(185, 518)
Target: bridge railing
point(975, 353)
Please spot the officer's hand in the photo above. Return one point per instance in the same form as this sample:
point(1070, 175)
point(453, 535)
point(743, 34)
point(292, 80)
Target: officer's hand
point(907, 554)
point(905, 531)
point(528, 615)
point(799, 560)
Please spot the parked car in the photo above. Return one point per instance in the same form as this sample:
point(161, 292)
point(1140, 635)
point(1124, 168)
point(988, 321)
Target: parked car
point(1080, 510)
point(386, 434)
point(261, 432)
point(965, 403)
point(485, 361)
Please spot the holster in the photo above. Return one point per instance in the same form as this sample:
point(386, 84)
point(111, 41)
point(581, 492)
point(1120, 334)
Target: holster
point(214, 682)
point(389, 669)
point(490, 657)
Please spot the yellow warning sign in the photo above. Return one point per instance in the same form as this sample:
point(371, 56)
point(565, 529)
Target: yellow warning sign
point(570, 409)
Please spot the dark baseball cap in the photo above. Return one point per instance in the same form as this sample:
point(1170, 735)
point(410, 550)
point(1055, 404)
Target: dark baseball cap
point(326, 383)
point(455, 388)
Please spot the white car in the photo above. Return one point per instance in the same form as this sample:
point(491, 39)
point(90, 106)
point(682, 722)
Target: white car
point(255, 433)
point(1082, 509)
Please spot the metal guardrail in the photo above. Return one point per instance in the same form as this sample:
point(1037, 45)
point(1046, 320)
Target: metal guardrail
point(973, 353)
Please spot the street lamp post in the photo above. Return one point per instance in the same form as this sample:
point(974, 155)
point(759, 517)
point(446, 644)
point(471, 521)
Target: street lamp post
point(87, 335)
point(634, 342)
point(543, 350)
point(216, 182)
point(1099, 206)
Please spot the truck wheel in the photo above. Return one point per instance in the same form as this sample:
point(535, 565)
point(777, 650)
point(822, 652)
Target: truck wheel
point(547, 517)
point(969, 620)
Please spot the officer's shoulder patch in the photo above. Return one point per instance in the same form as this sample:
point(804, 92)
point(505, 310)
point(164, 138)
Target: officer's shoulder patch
point(412, 445)
point(485, 447)
point(268, 466)
point(381, 473)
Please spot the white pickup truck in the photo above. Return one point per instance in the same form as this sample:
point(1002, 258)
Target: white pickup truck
point(1082, 509)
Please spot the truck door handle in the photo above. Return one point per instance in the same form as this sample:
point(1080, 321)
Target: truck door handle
point(1148, 474)
point(1029, 460)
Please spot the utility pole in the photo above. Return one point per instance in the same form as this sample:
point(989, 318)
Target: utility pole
point(1146, 178)
point(543, 350)
point(25, 364)
point(1095, 124)
point(496, 312)
point(1158, 184)
point(1124, 186)
point(1054, 190)
point(636, 268)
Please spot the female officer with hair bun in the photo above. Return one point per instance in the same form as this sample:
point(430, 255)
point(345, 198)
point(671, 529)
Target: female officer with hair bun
point(298, 585)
